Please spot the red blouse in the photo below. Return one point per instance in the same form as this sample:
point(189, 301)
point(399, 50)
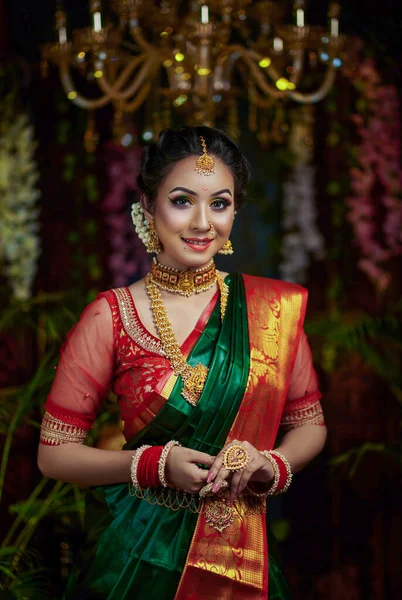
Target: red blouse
point(110, 349)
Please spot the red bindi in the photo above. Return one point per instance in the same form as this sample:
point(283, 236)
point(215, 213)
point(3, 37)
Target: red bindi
point(204, 189)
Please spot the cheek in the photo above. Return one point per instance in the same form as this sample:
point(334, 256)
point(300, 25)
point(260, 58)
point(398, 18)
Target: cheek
point(223, 223)
point(171, 219)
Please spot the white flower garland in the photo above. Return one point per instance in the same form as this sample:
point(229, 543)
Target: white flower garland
point(140, 222)
point(19, 240)
point(301, 236)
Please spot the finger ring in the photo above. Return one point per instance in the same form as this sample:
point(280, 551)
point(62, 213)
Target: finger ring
point(235, 457)
point(207, 489)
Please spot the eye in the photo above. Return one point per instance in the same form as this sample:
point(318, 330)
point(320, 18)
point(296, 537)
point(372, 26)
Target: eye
point(180, 201)
point(220, 204)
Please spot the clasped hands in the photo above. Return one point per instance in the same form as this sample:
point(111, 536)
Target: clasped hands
point(183, 472)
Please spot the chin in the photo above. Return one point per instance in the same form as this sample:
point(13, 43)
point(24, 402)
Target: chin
point(186, 260)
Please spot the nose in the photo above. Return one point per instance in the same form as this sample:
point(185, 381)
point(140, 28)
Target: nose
point(200, 220)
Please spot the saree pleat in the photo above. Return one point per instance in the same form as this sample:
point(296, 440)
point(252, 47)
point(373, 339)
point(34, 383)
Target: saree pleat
point(135, 549)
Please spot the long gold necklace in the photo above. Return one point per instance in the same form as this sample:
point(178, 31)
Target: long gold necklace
point(194, 378)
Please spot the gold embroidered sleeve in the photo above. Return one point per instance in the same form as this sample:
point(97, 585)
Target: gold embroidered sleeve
point(54, 432)
point(305, 411)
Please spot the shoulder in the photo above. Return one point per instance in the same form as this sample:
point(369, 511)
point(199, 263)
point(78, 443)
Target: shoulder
point(253, 282)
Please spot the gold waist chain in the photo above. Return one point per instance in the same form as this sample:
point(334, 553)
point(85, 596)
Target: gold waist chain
point(219, 513)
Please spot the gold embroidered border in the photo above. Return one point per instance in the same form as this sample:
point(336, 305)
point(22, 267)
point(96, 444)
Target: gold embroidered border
point(308, 415)
point(132, 324)
point(55, 432)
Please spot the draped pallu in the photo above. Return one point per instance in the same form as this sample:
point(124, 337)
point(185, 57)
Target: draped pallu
point(141, 548)
point(234, 563)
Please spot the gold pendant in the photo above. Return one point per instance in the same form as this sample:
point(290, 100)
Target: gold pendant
point(186, 283)
point(219, 514)
point(194, 383)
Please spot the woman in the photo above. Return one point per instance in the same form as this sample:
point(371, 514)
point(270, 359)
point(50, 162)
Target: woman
point(206, 367)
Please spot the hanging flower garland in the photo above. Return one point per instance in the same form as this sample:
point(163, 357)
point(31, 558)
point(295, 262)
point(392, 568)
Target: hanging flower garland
point(128, 258)
point(19, 240)
point(301, 238)
point(376, 179)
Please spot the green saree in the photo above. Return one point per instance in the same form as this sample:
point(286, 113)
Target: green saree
point(135, 549)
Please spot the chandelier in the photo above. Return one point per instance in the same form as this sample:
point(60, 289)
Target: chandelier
point(196, 61)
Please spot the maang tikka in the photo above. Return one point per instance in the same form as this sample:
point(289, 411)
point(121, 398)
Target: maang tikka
point(205, 164)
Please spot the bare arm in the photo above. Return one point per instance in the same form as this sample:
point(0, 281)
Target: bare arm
point(84, 466)
point(302, 444)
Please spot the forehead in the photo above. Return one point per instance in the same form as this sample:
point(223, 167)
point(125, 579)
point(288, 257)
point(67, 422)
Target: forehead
point(184, 174)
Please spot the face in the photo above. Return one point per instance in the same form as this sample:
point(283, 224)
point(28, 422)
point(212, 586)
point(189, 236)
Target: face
point(186, 205)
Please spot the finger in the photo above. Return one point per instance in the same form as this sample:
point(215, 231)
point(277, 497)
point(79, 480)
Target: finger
point(202, 458)
point(218, 462)
point(234, 484)
point(199, 475)
point(221, 476)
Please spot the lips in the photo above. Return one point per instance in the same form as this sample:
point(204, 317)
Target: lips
point(198, 244)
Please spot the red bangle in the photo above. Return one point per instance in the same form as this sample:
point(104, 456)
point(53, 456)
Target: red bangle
point(147, 469)
point(285, 472)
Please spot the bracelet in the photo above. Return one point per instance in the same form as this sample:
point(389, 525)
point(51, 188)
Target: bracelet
point(282, 474)
point(134, 465)
point(162, 461)
point(285, 472)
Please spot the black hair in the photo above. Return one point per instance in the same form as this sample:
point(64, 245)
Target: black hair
point(176, 144)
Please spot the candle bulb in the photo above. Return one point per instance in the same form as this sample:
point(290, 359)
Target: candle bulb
point(278, 44)
point(61, 26)
point(204, 14)
point(97, 22)
point(300, 17)
point(334, 27)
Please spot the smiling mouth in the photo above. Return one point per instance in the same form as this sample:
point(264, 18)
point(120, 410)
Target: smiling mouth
point(197, 242)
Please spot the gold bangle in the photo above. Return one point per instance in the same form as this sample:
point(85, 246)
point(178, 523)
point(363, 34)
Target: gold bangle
point(162, 461)
point(277, 474)
point(134, 465)
point(235, 457)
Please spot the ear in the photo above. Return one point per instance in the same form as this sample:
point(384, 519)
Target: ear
point(146, 207)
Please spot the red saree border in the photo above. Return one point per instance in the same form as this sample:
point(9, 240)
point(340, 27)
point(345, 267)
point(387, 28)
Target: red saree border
point(234, 564)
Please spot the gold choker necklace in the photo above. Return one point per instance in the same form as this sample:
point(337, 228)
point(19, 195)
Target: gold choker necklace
point(185, 282)
point(194, 378)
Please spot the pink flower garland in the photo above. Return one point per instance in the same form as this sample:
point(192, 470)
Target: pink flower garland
point(378, 177)
point(128, 259)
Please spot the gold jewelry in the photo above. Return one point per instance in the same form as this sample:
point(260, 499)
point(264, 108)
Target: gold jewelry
point(154, 244)
point(216, 507)
point(235, 457)
point(134, 465)
point(205, 164)
point(219, 514)
point(211, 228)
point(269, 455)
point(206, 491)
point(162, 461)
point(193, 377)
point(227, 248)
point(185, 282)
point(289, 475)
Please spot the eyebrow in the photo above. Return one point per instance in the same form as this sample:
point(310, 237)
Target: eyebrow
point(183, 189)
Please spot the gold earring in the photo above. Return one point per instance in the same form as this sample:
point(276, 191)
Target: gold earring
point(154, 244)
point(227, 248)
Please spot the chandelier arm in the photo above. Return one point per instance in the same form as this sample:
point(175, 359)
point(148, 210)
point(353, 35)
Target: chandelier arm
point(257, 99)
point(233, 53)
point(319, 94)
point(146, 72)
point(134, 104)
point(138, 37)
point(297, 66)
point(261, 81)
point(79, 100)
